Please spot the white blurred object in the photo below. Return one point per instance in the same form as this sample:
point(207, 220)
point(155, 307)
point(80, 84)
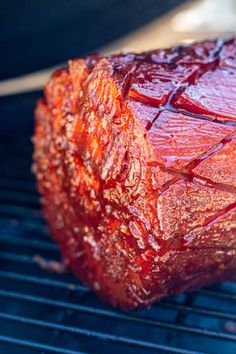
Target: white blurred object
point(206, 15)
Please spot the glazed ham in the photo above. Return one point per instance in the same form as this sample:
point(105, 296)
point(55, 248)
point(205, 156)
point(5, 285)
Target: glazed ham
point(135, 159)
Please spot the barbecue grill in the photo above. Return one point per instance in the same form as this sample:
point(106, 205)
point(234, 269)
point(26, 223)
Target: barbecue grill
point(47, 312)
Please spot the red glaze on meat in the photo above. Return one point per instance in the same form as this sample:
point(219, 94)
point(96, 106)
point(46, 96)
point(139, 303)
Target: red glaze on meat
point(135, 160)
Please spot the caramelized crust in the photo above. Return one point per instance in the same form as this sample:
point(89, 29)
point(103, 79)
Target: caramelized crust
point(135, 160)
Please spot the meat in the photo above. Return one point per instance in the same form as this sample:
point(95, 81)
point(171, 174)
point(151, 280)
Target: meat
point(135, 161)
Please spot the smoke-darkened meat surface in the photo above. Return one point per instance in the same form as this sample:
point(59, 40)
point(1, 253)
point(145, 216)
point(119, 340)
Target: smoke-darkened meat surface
point(135, 158)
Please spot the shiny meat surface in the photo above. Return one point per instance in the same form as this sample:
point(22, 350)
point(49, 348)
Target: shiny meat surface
point(135, 160)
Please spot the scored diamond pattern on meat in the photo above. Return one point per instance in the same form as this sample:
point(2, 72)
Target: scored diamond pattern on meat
point(135, 159)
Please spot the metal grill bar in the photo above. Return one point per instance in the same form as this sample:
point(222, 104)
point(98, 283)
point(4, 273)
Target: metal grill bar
point(16, 211)
point(12, 175)
point(26, 226)
point(73, 287)
point(118, 315)
point(219, 294)
point(17, 197)
point(200, 311)
point(43, 281)
point(14, 184)
point(27, 242)
point(6, 168)
point(34, 345)
point(16, 257)
point(95, 334)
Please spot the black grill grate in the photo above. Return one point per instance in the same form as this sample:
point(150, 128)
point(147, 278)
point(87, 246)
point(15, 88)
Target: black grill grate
point(42, 312)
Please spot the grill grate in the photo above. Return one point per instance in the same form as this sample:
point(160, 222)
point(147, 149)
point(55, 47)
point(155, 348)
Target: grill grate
point(42, 312)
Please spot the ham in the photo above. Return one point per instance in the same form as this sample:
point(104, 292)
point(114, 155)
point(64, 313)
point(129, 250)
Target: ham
point(135, 161)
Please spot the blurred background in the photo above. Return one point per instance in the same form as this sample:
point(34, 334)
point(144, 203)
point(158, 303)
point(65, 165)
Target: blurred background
point(37, 36)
